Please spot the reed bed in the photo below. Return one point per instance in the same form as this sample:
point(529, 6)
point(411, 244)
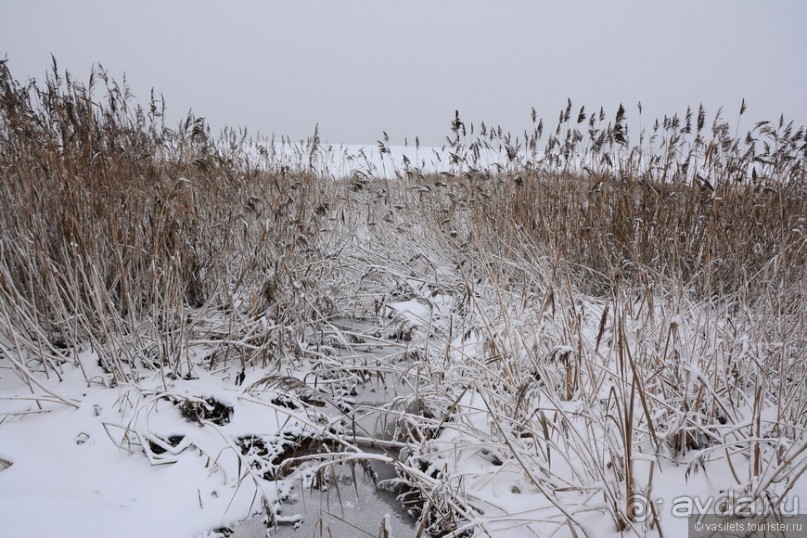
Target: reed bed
point(600, 306)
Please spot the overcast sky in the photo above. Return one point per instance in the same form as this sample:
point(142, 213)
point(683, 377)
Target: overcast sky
point(359, 67)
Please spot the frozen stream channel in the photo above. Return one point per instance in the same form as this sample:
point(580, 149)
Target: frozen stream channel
point(355, 500)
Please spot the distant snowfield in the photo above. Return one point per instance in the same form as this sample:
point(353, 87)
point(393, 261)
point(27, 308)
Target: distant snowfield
point(383, 161)
point(375, 160)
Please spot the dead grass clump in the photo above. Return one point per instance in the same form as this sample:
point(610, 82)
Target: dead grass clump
point(205, 410)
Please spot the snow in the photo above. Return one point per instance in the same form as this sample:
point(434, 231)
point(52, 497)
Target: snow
point(74, 473)
point(383, 161)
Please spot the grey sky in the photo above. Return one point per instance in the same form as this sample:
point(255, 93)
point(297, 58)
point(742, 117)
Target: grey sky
point(358, 67)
